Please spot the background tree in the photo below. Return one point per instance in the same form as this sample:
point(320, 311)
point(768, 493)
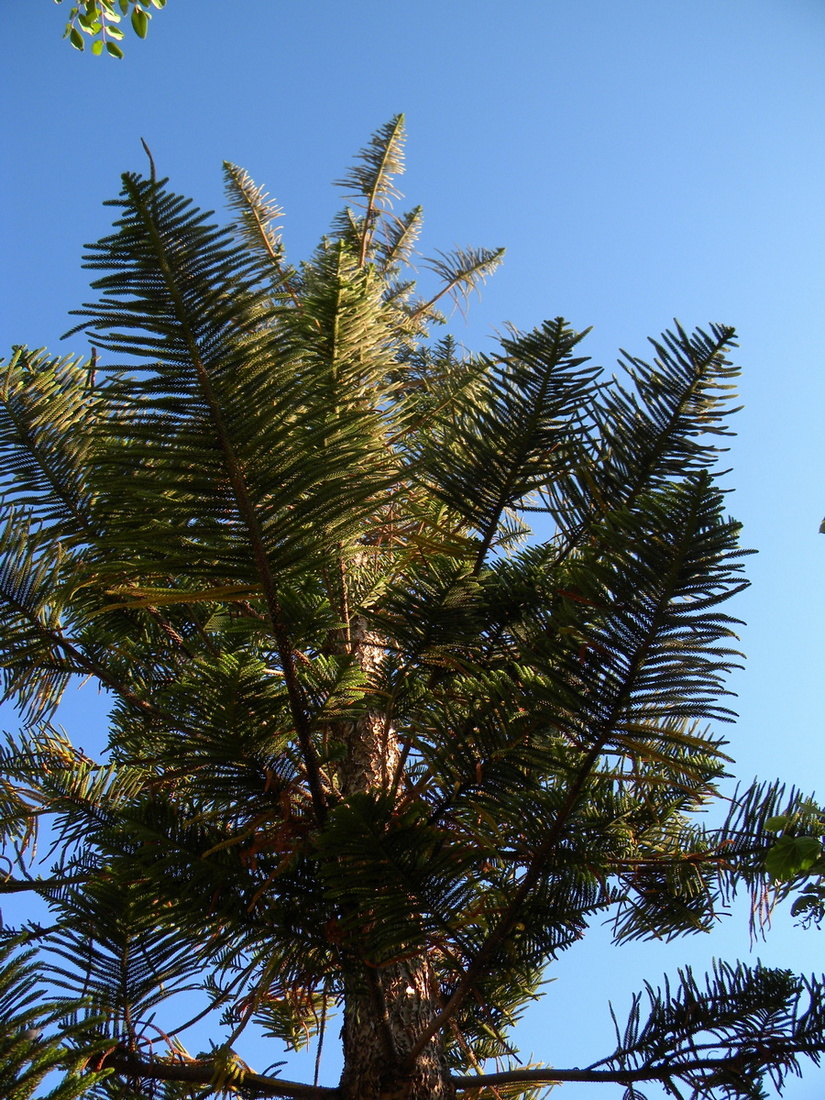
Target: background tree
point(100, 21)
point(373, 749)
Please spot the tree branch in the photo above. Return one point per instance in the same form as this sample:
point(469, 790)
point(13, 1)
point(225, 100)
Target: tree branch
point(203, 1073)
point(533, 872)
point(733, 1063)
point(16, 885)
point(248, 515)
point(508, 919)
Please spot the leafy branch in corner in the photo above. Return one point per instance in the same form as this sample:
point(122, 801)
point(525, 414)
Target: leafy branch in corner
point(99, 21)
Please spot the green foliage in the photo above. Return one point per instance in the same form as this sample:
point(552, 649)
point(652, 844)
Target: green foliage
point(30, 1049)
point(363, 718)
point(99, 21)
point(797, 855)
point(738, 1016)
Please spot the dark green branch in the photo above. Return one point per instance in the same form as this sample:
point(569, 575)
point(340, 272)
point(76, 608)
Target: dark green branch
point(734, 1063)
point(247, 512)
point(17, 886)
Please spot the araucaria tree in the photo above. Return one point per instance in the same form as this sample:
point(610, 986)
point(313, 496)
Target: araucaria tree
point(377, 754)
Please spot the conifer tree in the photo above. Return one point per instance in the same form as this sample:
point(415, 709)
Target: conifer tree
point(377, 753)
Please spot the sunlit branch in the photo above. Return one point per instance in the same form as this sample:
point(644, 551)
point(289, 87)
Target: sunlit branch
point(205, 1073)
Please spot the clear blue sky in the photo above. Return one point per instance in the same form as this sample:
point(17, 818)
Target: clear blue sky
point(640, 160)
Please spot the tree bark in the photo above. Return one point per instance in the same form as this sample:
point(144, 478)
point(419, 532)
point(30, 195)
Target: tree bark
point(383, 1018)
point(386, 1008)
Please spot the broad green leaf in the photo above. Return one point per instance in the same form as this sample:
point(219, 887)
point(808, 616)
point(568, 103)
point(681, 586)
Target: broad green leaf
point(140, 22)
point(792, 856)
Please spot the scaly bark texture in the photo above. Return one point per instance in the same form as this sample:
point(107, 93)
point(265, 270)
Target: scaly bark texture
point(382, 1020)
point(372, 745)
point(387, 1008)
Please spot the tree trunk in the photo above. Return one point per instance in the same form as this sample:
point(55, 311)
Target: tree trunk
point(387, 1009)
point(382, 1021)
